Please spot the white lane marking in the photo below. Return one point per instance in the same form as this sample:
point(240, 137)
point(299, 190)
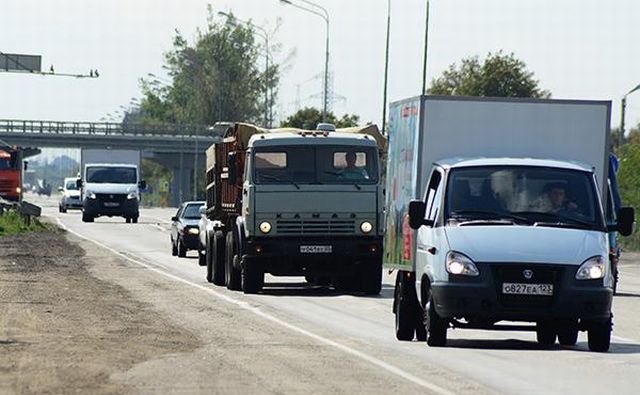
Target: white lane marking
point(246, 306)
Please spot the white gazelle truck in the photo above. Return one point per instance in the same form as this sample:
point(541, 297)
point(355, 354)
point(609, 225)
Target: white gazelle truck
point(495, 218)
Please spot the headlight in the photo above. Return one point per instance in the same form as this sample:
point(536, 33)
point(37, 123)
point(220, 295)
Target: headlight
point(461, 264)
point(592, 269)
point(18, 190)
point(265, 227)
point(132, 195)
point(366, 227)
point(90, 195)
point(194, 231)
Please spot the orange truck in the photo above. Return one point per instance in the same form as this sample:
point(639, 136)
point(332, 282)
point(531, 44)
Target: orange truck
point(10, 174)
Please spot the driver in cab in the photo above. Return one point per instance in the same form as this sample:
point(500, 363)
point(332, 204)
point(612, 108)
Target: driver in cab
point(351, 171)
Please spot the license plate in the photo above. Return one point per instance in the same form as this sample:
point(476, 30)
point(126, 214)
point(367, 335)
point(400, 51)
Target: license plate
point(527, 289)
point(316, 249)
point(111, 204)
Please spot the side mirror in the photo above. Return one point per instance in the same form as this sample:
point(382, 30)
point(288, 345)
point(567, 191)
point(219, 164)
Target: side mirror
point(60, 189)
point(26, 165)
point(174, 218)
point(203, 210)
point(417, 209)
point(231, 162)
point(79, 183)
point(626, 220)
point(142, 184)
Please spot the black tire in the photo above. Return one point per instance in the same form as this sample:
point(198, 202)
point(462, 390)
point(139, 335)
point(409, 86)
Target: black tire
point(568, 332)
point(435, 326)
point(614, 272)
point(599, 336)
point(134, 220)
point(218, 258)
point(86, 218)
point(405, 308)
point(546, 333)
point(232, 274)
point(252, 277)
point(127, 220)
point(182, 250)
point(202, 257)
point(62, 209)
point(371, 278)
point(174, 249)
point(209, 259)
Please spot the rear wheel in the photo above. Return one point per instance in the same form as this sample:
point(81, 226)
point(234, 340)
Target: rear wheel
point(128, 220)
point(232, 274)
point(134, 220)
point(546, 333)
point(405, 307)
point(371, 278)
point(217, 253)
point(599, 336)
point(568, 332)
point(202, 257)
point(86, 218)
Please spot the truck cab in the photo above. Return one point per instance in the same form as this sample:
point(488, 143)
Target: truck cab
point(10, 175)
point(309, 203)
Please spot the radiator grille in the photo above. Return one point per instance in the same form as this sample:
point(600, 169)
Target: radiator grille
point(310, 226)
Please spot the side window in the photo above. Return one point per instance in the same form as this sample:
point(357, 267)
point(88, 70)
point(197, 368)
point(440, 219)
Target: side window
point(433, 193)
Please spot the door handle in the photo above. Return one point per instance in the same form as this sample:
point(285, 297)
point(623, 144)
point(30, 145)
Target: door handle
point(430, 250)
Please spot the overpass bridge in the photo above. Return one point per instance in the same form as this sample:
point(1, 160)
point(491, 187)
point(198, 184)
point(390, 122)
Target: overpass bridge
point(178, 147)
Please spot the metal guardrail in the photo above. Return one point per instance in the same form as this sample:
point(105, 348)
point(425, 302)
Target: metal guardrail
point(27, 210)
point(99, 128)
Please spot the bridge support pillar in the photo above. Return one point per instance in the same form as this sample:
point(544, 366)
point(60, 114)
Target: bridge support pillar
point(181, 184)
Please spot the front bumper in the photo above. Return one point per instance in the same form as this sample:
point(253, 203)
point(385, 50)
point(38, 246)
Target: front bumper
point(296, 256)
point(127, 208)
point(482, 298)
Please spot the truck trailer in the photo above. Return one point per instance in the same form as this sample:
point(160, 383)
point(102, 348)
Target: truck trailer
point(495, 218)
point(293, 202)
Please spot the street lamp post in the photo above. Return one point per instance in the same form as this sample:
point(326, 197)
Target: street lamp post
point(386, 70)
point(231, 20)
point(426, 44)
point(622, 113)
point(324, 15)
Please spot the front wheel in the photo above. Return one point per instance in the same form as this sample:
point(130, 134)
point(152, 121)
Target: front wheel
point(134, 220)
point(568, 332)
point(182, 250)
point(599, 336)
point(435, 326)
point(545, 333)
point(252, 278)
point(232, 274)
point(86, 218)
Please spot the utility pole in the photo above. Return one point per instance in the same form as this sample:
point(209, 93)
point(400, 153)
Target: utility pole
point(386, 71)
point(426, 45)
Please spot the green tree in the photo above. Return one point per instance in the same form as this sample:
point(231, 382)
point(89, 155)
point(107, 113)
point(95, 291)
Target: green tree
point(220, 77)
point(629, 182)
point(310, 117)
point(499, 75)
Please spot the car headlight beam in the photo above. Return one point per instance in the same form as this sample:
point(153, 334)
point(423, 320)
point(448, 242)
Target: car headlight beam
point(592, 269)
point(265, 227)
point(461, 265)
point(366, 227)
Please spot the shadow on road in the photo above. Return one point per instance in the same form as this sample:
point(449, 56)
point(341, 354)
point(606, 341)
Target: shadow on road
point(305, 289)
point(626, 295)
point(515, 344)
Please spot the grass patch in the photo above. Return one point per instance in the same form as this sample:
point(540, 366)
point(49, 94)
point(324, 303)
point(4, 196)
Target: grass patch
point(11, 223)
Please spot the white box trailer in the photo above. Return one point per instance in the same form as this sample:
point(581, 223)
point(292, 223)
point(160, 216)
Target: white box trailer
point(474, 226)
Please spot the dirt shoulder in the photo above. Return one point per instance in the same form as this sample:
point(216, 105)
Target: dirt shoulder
point(63, 330)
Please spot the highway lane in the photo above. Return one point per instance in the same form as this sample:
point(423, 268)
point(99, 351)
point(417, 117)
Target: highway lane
point(474, 361)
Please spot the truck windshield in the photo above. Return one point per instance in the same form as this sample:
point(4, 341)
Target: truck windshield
point(316, 165)
point(533, 195)
point(111, 175)
point(4, 163)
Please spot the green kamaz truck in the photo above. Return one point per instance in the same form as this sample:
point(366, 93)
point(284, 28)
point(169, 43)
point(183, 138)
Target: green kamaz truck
point(293, 202)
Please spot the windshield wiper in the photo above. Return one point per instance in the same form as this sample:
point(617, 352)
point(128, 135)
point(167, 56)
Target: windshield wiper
point(458, 214)
point(553, 219)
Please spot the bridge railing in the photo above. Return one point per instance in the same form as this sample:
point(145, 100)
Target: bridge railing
point(101, 128)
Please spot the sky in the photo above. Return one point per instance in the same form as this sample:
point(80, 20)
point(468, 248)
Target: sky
point(577, 49)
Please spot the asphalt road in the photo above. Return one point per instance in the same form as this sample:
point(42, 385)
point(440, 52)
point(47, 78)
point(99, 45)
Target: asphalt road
point(360, 329)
